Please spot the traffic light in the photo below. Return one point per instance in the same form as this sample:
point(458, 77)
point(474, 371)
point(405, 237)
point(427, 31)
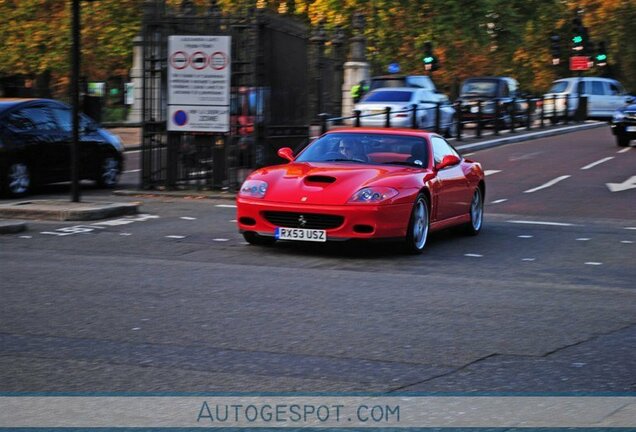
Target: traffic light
point(430, 61)
point(579, 35)
point(601, 55)
point(555, 48)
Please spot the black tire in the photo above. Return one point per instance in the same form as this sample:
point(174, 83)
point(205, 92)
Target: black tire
point(554, 120)
point(18, 179)
point(476, 212)
point(108, 171)
point(417, 231)
point(257, 240)
point(622, 140)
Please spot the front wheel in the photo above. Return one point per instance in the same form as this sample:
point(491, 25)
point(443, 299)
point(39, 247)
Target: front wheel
point(476, 213)
point(257, 240)
point(417, 231)
point(622, 140)
point(109, 172)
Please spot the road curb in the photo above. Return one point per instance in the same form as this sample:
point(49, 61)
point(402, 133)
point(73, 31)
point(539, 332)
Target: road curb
point(177, 194)
point(59, 210)
point(12, 227)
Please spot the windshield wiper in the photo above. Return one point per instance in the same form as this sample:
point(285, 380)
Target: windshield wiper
point(413, 164)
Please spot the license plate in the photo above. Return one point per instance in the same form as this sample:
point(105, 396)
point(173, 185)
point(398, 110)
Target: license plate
point(300, 234)
point(630, 128)
point(376, 111)
point(474, 110)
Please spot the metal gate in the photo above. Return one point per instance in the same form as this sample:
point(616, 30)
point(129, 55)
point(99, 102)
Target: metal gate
point(269, 88)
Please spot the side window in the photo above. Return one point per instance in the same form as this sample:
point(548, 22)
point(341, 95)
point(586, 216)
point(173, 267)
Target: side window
point(505, 91)
point(63, 118)
point(441, 148)
point(614, 90)
point(32, 119)
point(598, 88)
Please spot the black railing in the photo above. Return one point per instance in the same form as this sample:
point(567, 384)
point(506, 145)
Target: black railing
point(498, 114)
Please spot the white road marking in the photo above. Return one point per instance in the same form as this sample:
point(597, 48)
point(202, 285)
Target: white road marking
point(548, 184)
point(468, 154)
point(625, 150)
point(220, 239)
point(593, 263)
point(525, 236)
point(132, 151)
point(491, 172)
point(583, 239)
point(526, 222)
point(132, 171)
point(630, 183)
point(175, 236)
point(471, 255)
point(26, 237)
point(598, 162)
point(528, 259)
point(630, 228)
point(233, 221)
point(226, 205)
point(499, 201)
point(125, 234)
point(627, 241)
point(188, 218)
point(136, 328)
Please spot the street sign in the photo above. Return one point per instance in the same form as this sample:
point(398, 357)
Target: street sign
point(199, 83)
point(579, 63)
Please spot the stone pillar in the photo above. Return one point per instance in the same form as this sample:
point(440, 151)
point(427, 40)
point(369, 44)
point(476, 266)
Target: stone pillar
point(356, 68)
point(136, 76)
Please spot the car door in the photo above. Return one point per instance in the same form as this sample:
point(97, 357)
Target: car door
point(596, 98)
point(451, 194)
point(616, 97)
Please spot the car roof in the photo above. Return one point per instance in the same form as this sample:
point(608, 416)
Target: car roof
point(8, 103)
point(569, 79)
point(384, 131)
point(391, 89)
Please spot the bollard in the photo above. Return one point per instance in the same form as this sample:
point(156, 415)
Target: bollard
point(414, 116)
point(541, 123)
point(479, 119)
point(497, 119)
point(357, 113)
point(387, 120)
point(512, 110)
point(460, 123)
point(323, 122)
point(437, 117)
point(566, 114)
point(528, 113)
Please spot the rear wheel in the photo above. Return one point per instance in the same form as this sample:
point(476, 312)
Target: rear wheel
point(476, 213)
point(417, 231)
point(622, 140)
point(17, 181)
point(255, 239)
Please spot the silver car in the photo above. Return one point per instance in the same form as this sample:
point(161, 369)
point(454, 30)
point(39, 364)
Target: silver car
point(401, 100)
point(604, 96)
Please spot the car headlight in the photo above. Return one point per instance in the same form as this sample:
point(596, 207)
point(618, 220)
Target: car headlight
point(373, 195)
point(253, 189)
point(618, 116)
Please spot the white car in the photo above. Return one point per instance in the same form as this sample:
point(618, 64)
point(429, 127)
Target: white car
point(604, 96)
point(401, 100)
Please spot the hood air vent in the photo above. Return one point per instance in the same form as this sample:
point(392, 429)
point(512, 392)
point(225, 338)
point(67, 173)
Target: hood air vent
point(319, 179)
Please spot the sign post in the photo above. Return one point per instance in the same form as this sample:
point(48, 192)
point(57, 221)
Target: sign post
point(199, 82)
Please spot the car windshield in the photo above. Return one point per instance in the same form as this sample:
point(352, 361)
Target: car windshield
point(370, 148)
point(479, 88)
point(388, 96)
point(558, 87)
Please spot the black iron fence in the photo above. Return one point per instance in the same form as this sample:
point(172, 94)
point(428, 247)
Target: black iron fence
point(497, 114)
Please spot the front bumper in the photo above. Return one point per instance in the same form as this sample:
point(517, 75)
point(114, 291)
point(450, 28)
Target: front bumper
point(621, 128)
point(361, 221)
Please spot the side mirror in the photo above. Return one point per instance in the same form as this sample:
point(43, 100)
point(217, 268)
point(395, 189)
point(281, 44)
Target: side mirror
point(630, 99)
point(286, 153)
point(448, 160)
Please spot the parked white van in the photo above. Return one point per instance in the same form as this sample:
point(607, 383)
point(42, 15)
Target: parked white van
point(604, 96)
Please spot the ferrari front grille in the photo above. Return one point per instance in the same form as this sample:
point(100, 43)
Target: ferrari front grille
point(303, 220)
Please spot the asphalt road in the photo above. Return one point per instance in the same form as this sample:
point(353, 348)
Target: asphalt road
point(544, 300)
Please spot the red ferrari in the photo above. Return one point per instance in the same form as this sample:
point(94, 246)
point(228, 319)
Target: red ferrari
point(360, 183)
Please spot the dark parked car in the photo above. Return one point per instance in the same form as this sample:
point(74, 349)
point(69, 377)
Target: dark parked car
point(35, 146)
point(489, 90)
point(624, 123)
